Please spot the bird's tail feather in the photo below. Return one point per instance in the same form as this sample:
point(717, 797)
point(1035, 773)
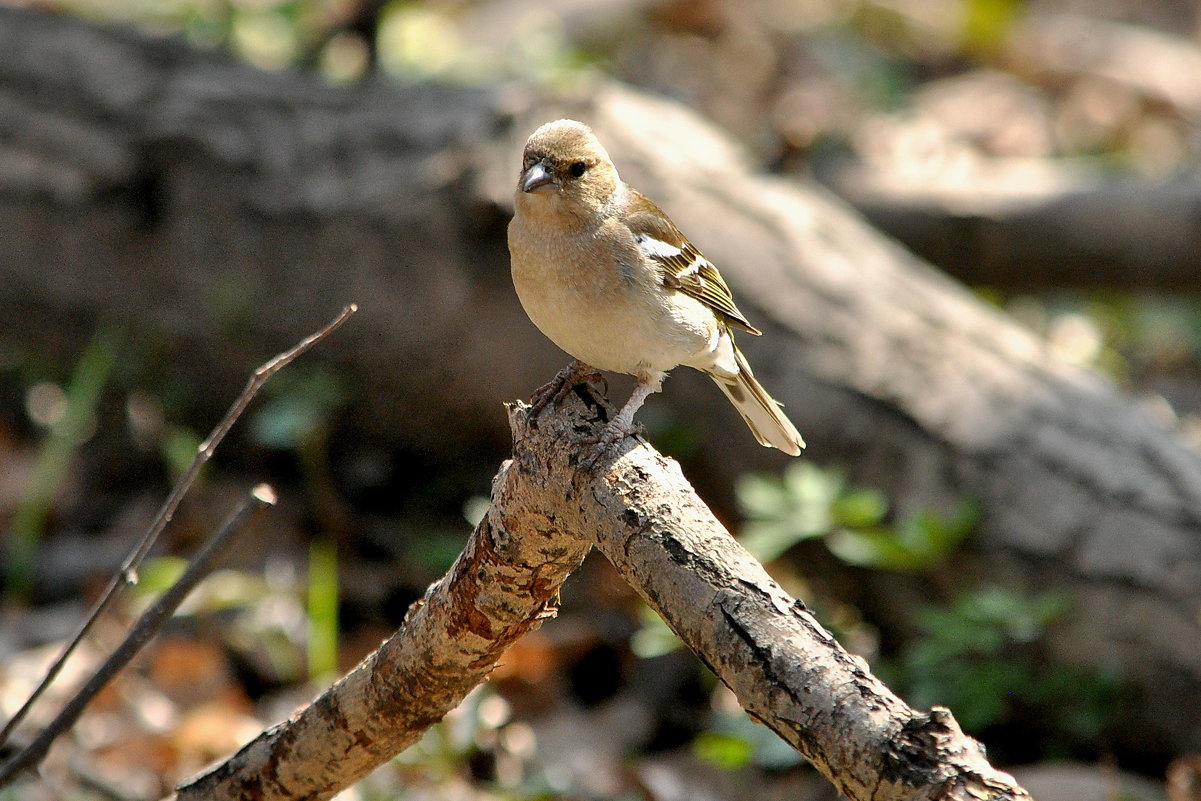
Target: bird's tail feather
point(760, 411)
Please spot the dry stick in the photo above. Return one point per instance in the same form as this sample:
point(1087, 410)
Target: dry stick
point(149, 624)
point(128, 572)
point(504, 584)
point(638, 510)
point(786, 670)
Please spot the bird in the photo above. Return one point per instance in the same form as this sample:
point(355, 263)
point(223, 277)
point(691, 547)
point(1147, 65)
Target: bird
point(606, 275)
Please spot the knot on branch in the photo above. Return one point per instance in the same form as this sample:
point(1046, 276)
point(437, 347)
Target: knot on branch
point(931, 751)
point(919, 748)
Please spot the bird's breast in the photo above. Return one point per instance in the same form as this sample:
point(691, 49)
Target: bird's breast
point(599, 308)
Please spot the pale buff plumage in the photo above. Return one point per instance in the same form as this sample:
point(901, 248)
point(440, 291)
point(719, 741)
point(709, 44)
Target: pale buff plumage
point(606, 275)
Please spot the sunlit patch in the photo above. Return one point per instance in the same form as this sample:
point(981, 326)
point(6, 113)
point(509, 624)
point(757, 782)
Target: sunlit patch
point(45, 403)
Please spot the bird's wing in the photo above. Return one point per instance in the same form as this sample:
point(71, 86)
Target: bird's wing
point(684, 267)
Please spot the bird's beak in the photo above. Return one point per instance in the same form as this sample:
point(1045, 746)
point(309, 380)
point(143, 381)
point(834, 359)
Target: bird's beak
point(536, 177)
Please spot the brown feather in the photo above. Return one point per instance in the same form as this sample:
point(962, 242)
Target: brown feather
point(686, 270)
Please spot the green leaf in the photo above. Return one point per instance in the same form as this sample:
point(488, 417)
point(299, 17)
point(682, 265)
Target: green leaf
point(55, 454)
point(877, 548)
point(784, 510)
point(157, 574)
point(735, 740)
point(323, 611)
point(920, 541)
point(768, 541)
point(988, 22)
point(981, 658)
point(298, 406)
point(859, 509)
point(726, 751)
point(940, 536)
point(654, 638)
point(178, 448)
point(761, 495)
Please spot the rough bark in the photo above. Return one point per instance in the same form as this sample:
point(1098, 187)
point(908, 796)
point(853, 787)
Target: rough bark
point(202, 198)
point(504, 583)
point(638, 509)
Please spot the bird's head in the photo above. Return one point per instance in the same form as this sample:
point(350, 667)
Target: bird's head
point(566, 164)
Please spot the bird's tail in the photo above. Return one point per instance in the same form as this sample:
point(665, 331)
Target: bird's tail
point(760, 411)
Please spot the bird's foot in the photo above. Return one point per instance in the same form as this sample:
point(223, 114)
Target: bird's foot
point(554, 391)
point(605, 445)
point(623, 424)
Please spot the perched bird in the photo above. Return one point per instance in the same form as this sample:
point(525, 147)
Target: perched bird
point(606, 275)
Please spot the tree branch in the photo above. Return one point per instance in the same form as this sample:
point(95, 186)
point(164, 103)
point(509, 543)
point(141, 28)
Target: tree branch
point(640, 512)
point(504, 583)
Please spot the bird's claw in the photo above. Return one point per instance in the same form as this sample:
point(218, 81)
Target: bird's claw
point(605, 445)
point(554, 391)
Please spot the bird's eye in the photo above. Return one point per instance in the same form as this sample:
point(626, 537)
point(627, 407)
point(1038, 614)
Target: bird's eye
point(577, 169)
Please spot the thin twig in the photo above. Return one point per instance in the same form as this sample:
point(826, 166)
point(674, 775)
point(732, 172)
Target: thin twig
point(128, 572)
point(149, 624)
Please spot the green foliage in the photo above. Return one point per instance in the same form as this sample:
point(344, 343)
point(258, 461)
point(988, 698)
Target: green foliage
point(917, 542)
point(654, 637)
point(982, 658)
point(726, 751)
point(156, 575)
point(268, 618)
point(297, 409)
point(414, 40)
point(322, 610)
point(178, 446)
point(736, 741)
point(796, 506)
point(263, 618)
point(987, 23)
point(1121, 334)
point(68, 431)
point(808, 502)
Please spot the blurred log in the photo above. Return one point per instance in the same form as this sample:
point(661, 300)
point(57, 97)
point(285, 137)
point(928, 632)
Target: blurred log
point(1161, 68)
point(227, 210)
point(1021, 226)
point(1036, 223)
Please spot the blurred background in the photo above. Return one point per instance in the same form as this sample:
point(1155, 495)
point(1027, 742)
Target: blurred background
point(1043, 153)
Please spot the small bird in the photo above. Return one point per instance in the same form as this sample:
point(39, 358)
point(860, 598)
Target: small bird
point(608, 277)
